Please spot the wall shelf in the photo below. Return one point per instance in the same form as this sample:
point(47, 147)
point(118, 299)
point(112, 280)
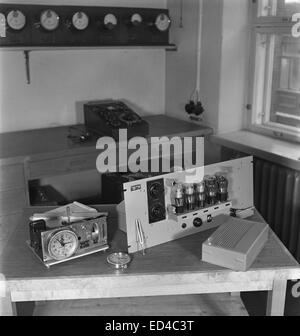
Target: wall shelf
point(169, 47)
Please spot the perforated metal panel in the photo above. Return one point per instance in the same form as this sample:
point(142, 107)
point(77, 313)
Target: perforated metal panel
point(235, 244)
point(230, 235)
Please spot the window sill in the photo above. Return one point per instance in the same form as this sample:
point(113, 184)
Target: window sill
point(278, 151)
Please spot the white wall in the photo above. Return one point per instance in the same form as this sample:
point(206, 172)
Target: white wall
point(234, 65)
point(62, 80)
point(223, 64)
point(211, 54)
point(181, 66)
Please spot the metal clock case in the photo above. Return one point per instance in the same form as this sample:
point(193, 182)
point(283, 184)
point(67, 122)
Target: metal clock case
point(67, 242)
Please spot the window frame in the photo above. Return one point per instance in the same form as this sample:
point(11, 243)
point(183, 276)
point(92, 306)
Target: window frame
point(258, 106)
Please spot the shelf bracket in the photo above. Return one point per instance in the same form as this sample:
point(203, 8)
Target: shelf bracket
point(27, 65)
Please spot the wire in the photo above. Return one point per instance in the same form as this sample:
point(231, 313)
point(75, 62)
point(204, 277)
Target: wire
point(181, 14)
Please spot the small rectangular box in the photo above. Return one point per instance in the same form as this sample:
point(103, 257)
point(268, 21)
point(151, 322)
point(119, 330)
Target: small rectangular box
point(235, 244)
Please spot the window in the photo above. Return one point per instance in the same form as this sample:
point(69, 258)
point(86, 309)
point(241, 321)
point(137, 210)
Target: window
point(275, 93)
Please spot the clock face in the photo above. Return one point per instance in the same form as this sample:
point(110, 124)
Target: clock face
point(162, 22)
point(136, 19)
point(110, 21)
point(16, 20)
point(49, 20)
point(80, 20)
point(62, 244)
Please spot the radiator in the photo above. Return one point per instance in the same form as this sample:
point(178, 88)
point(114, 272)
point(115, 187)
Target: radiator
point(277, 198)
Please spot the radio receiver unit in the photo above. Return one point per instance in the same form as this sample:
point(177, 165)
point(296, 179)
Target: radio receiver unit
point(159, 209)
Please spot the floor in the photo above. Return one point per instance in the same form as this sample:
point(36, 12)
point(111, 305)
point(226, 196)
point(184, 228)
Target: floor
point(184, 305)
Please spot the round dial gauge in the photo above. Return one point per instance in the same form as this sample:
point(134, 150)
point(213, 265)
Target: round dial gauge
point(80, 20)
point(136, 19)
point(62, 244)
point(110, 21)
point(119, 260)
point(16, 20)
point(49, 20)
point(162, 22)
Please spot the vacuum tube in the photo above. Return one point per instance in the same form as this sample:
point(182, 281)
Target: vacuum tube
point(189, 197)
point(211, 186)
point(200, 194)
point(222, 188)
point(178, 198)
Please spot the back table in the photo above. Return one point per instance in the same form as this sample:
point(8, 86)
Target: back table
point(174, 268)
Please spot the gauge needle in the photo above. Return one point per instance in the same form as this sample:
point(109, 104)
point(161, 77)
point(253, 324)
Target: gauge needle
point(59, 242)
point(68, 242)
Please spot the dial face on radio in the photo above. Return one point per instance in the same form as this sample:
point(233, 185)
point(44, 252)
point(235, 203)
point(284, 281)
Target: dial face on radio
point(80, 20)
point(136, 19)
point(16, 20)
point(62, 244)
point(49, 20)
point(162, 22)
point(110, 21)
point(156, 190)
point(157, 211)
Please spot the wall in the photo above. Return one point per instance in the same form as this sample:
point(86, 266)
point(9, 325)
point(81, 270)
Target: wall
point(62, 80)
point(210, 70)
point(181, 66)
point(224, 37)
point(234, 65)
point(224, 63)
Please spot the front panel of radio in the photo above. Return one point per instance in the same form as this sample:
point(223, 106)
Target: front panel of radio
point(164, 208)
point(47, 25)
point(156, 201)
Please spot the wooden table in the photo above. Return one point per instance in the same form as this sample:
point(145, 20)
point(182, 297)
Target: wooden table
point(33, 155)
point(173, 268)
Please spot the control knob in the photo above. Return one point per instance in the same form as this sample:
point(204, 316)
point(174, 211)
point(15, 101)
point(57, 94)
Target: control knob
point(197, 222)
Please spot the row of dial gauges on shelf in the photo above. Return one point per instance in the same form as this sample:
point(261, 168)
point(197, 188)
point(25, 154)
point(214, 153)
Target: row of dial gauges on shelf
point(50, 20)
point(34, 25)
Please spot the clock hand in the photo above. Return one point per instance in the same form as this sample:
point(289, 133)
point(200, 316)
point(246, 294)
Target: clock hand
point(59, 242)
